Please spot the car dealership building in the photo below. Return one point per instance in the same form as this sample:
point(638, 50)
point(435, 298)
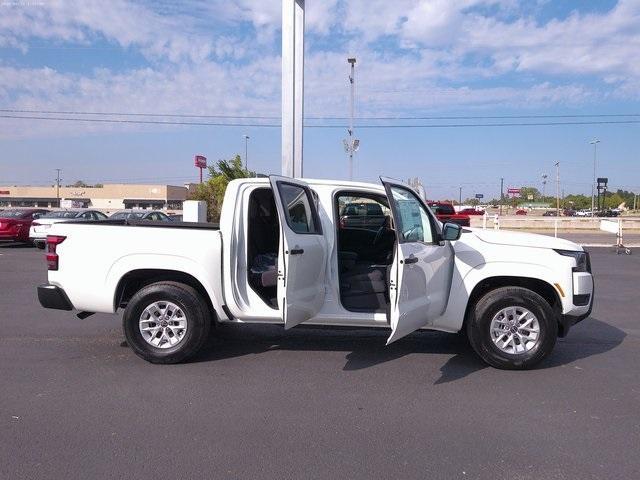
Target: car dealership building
point(109, 197)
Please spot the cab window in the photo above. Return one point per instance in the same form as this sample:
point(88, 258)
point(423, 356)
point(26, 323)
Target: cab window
point(298, 208)
point(413, 222)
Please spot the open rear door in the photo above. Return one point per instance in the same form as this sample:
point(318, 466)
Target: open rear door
point(302, 256)
point(422, 267)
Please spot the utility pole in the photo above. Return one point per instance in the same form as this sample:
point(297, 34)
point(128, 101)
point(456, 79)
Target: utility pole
point(595, 143)
point(58, 170)
point(544, 185)
point(460, 197)
point(501, 193)
point(557, 189)
point(246, 156)
point(351, 145)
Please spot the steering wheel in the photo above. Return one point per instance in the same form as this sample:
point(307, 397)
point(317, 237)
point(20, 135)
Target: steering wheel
point(379, 235)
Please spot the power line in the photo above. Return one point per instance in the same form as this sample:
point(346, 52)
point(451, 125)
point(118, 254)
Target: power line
point(368, 126)
point(277, 117)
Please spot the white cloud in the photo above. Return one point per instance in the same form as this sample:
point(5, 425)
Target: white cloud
point(223, 56)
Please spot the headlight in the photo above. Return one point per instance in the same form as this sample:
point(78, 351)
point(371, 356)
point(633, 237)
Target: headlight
point(583, 262)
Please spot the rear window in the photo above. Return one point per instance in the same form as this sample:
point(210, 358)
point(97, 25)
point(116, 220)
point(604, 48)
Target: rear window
point(60, 215)
point(127, 215)
point(13, 214)
point(442, 208)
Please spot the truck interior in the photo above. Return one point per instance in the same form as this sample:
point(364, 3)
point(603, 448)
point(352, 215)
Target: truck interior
point(366, 241)
point(262, 245)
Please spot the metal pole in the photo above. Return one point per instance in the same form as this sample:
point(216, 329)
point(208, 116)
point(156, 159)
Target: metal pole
point(595, 143)
point(557, 189)
point(246, 154)
point(351, 82)
point(58, 185)
point(292, 86)
point(501, 194)
point(460, 197)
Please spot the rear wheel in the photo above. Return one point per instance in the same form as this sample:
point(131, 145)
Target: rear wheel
point(512, 328)
point(166, 322)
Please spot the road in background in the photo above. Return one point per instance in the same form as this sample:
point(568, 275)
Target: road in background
point(313, 403)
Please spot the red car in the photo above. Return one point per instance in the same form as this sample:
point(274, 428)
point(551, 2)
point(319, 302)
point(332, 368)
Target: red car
point(470, 211)
point(521, 212)
point(446, 213)
point(15, 223)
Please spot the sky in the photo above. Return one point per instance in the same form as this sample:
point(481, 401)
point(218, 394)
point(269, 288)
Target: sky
point(218, 62)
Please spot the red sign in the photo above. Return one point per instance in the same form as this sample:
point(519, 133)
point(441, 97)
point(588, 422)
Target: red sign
point(200, 161)
point(4, 192)
point(513, 192)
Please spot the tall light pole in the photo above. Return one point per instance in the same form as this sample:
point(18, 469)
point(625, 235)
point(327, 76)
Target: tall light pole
point(557, 189)
point(58, 170)
point(460, 197)
point(246, 150)
point(351, 145)
point(595, 143)
point(544, 185)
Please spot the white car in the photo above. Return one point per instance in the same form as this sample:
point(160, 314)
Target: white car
point(281, 255)
point(40, 227)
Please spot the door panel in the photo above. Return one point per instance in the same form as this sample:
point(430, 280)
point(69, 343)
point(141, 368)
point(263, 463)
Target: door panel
point(302, 252)
point(422, 267)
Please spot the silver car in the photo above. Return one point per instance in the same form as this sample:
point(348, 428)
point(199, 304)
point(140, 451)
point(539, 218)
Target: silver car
point(40, 227)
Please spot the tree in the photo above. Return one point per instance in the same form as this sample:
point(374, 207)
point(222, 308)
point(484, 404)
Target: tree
point(79, 184)
point(212, 191)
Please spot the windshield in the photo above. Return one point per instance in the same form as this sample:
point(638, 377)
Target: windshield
point(126, 215)
point(13, 214)
point(60, 215)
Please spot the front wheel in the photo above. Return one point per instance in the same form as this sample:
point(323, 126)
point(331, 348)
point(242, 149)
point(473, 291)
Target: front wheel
point(512, 328)
point(166, 322)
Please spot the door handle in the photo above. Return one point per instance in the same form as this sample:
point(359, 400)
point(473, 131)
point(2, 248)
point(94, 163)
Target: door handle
point(296, 251)
point(410, 260)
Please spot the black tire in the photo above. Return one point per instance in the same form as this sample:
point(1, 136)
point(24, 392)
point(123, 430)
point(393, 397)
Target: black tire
point(197, 317)
point(479, 322)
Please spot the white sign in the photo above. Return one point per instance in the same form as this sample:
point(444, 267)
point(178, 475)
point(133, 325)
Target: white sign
point(610, 226)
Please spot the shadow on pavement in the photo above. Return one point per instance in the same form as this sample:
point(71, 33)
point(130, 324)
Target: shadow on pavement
point(366, 347)
point(16, 245)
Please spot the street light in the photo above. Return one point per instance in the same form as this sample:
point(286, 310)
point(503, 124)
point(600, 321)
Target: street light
point(246, 158)
point(595, 143)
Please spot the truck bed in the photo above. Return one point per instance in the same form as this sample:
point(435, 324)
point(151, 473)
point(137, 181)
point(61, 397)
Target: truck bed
point(147, 223)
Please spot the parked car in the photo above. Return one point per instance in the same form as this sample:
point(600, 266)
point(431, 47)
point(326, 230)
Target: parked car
point(15, 223)
point(40, 227)
point(278, 256)
point(132, 214)
point(470, 211)
point(362, 215)
point(175, 217)
point(550, 213)
point(446, 213)
point(521, 211)
point(584, 213)
point(608, 213)
point(569, 212)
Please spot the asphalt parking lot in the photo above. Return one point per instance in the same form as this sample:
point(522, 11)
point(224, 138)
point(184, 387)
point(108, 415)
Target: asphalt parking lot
point(75, 403)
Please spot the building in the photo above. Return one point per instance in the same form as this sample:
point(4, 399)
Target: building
point(108, 198)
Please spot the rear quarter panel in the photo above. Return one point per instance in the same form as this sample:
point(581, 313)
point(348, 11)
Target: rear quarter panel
point(93, 259)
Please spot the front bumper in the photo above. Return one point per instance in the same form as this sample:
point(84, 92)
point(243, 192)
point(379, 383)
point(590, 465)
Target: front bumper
point(568, 320)
point(52, 296)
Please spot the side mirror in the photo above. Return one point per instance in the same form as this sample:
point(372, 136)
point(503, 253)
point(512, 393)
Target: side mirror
point(451, 231)
point(36, 216)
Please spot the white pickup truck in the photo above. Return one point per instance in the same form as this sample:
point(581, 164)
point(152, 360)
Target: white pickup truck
point(285, 254)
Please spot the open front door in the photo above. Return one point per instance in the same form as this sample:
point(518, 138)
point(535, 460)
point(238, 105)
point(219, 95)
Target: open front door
point(422, 267)
point(302, 255)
